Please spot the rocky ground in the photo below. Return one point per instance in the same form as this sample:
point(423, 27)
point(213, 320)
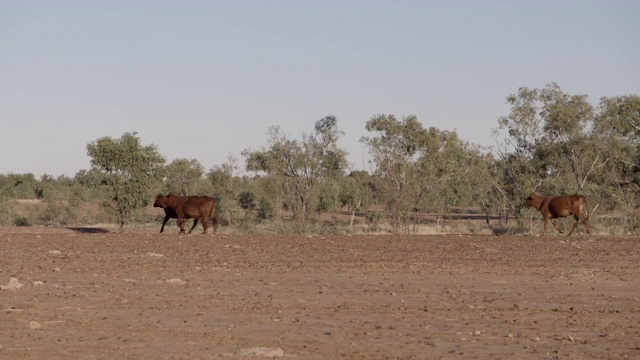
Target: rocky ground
point(96, 294)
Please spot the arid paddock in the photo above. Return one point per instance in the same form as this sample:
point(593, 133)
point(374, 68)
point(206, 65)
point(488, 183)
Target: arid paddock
point(89, 293)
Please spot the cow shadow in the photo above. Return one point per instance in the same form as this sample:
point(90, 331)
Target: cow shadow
point(89, 230)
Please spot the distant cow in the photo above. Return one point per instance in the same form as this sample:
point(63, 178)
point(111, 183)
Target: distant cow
point(554, 207)
point(170, 213)
point(181, 208)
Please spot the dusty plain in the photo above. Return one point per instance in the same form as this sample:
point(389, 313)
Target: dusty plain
point(91, 293)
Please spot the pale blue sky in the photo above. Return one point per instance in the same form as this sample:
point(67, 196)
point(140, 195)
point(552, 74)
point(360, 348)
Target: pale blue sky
point(205, 79)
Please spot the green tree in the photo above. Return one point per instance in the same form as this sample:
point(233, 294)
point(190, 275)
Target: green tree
point(7, 206)
point(399, 179)
point(183, 177)
point(421, 169)
point(328, 196)
point(517, 165)
point(297, 167)
point(91, 182)
point(448, 174)
point(551, 145)
point(569, 140)
point(356, 192)
point(393, 149)
point(485, 191)
point(559, 143)
point(19, 186)
point(618, 123)
point(223, 181)
point(129, 169)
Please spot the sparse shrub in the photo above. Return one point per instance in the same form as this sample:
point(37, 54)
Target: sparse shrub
point(265, 209)
point(248, 223)
point(333, 228)
point(229, 211)
point(467, 227)
point(21, 221)
point(247, 200)
point(499, 229)
point(6, 210)
point(632, 225)
point(53, 213)
point(373, 219)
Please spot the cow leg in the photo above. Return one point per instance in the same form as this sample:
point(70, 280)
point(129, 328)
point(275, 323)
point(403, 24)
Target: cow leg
point(584, 221)
point(575, 225)
point(166, 218)
point(195, 222)
point(546, 222)
point(205, 223)
point(556, 225)
point(181, 222)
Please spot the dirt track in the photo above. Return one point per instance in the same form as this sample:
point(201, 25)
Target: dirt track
point(142, 295)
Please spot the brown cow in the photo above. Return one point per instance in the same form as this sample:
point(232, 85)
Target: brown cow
point(554, 207)
point(201, 208)
point(170, 213)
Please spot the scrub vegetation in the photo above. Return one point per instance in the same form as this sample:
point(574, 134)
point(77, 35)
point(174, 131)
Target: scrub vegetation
point(418, 177)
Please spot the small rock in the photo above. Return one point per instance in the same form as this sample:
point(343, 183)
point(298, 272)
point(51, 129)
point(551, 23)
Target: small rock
point(176, 281)
point(35, 325)
point(275, 352)
point(14, 284)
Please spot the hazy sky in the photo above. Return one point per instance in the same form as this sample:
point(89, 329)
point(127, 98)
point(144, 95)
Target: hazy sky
point(205, 79)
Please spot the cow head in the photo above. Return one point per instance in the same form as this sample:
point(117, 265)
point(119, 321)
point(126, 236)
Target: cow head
point(533, 200)
point(161, 201)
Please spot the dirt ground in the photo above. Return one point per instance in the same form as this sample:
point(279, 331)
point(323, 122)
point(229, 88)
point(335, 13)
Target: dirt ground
point(95, 294)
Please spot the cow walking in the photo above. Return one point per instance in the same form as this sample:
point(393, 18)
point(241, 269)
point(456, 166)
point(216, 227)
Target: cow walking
point(170, 213)
point(181, 208)
point(555, 207)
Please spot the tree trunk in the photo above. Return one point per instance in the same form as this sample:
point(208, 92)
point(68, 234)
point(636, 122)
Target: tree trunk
point(353, 213)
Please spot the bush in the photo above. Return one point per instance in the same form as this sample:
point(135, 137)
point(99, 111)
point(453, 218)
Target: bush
point(21, 221)
point(6, 210)
point(265, 209)
point(373, 219)
point(248, 223)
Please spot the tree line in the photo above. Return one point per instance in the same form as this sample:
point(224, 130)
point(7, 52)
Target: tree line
point(550, 142)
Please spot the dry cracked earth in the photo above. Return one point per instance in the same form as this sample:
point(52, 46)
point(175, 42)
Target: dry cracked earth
point(96, 294)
